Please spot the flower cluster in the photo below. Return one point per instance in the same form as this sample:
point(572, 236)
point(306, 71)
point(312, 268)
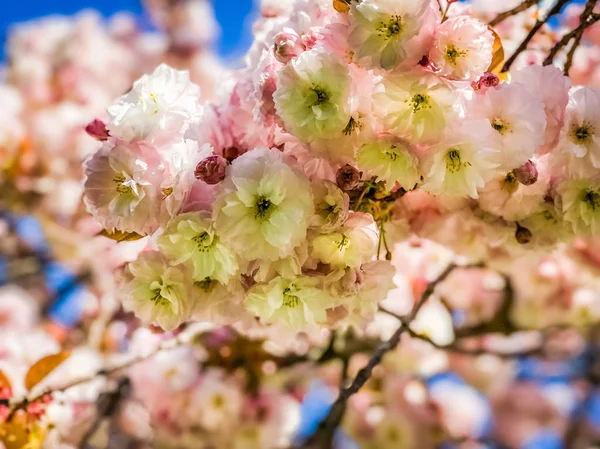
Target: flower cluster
point(280, 201)
point(391, 170)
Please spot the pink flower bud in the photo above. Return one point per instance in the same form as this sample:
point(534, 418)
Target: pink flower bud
point(288, 45)
point(487, 80)
point(527, 173)
point(231, 153)
point(211, 170)
point(97, 129)
point(347, 177)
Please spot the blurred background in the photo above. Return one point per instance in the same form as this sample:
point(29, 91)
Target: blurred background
point(234, 16)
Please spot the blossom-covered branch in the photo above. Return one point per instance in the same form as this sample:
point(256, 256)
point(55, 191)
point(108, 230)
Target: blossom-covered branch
point(323, 436)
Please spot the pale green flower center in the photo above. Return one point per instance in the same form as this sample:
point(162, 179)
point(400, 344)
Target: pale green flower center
point(320, 95)
point(390, 29)
point(326, 209)
point(500, 125)
point(352, 126)
point(419, 102)
point(203, 241)
point(592, 199)
point(582, 134)
point(453, 161)
point(158, 298)
point(510, 183)
point(453, 53)
point(392, 154)
point(264, 208)
point(206, 284)
point(290, 300)
point(121, 188)
point(344, 241)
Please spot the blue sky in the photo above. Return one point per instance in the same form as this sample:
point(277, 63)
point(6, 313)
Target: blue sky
point(231, 14)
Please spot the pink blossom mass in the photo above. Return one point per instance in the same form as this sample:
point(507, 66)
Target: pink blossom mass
point(378, 230)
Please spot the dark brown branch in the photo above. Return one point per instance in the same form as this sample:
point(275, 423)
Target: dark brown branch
point(539, 23)
point(526, 4)
point(586, 19)
point(569, 61)
point(323, 437)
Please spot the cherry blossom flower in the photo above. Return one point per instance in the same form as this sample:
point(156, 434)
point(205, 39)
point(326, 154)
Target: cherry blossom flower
point(264, 206)
point(462, 48)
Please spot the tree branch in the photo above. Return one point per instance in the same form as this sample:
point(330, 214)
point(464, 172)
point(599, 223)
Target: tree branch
point(323, 436)
point(539, 23)
point(586, 19)
point(526, 4)
point(457, 348)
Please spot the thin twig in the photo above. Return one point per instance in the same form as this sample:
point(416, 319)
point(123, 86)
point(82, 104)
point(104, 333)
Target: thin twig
point(526, 4)
point(587, 19)
point(323, 436)
point(22, 403)
point(539, 23)
point(457, 348)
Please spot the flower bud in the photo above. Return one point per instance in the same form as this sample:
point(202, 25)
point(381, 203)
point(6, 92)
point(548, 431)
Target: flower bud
point(211, 170)
point(231, 153)
point(523, 235)
point(347, 177)
point(97, 130)
point(288, 45)
point(487, 80)
point(527, 173)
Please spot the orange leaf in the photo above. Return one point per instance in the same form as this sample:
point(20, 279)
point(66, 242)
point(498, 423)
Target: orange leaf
point(120, 236)
point(5, 382)
point(341, 5)
point(43, 367)
point(21, 434)
point(497, 55)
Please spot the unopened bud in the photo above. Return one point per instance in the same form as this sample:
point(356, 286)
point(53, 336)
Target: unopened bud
point(231, 153)
point(347, 177)
point(527, 173)
point(288, 45)
point(523, 235)
point(487, 80)
point(211, 170)
point(97, 129)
